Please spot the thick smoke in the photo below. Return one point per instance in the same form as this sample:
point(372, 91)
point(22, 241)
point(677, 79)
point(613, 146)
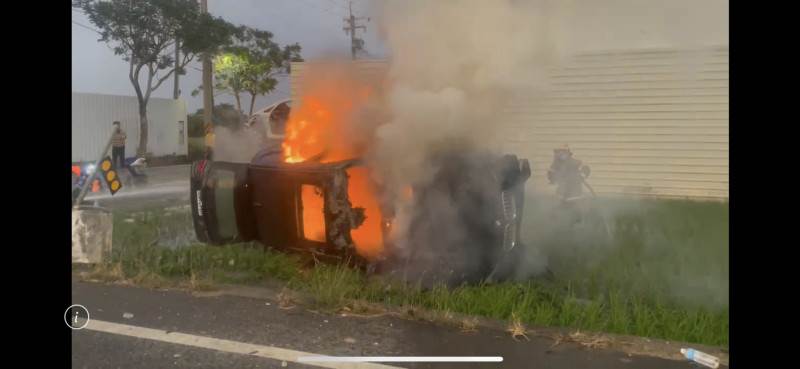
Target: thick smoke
point(452, 67)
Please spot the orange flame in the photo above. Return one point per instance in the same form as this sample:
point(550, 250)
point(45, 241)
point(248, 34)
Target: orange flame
point(320, 127)
point(369, 236)
point(313, 213)
point(323, 127)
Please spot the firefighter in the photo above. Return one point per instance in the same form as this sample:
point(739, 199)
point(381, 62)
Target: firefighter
point(568, 173)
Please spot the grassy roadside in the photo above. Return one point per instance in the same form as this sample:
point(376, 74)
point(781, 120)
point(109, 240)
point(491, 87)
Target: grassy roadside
point(673, 250)
point(627, 289)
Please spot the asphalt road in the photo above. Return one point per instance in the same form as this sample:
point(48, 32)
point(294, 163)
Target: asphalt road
point(239, 323)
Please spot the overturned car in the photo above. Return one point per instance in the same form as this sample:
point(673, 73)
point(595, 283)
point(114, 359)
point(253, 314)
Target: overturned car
point(464, 223)
point(461, 224)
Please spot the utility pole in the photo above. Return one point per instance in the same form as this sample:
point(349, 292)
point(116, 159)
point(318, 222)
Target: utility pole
point(176, 91)
point(351, 27)
point(208, 93)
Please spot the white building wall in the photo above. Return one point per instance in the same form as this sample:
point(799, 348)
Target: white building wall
point(648, 122)
point(92, 115)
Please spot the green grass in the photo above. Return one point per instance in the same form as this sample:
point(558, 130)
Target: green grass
point(534, 303)
point(669, 250)
point(663, 274)
point(137, 248)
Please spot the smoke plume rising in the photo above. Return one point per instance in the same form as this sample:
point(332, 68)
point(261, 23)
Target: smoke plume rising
point(452, 67)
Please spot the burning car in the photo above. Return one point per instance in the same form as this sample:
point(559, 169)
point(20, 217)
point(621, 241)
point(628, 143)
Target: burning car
point(312, 207)
point(463, 224)
point(302, 206)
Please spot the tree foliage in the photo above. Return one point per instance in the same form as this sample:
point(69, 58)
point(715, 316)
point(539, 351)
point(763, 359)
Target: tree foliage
point(251, 64)
point(143, 33)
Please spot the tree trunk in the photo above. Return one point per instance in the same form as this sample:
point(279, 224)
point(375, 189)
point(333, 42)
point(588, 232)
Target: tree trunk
point(252, 102)
point(208, 91)
point(142, 149)
point(238, 101)
point(176, 92)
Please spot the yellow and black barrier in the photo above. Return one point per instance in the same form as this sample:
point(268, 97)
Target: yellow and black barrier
point(110, 175)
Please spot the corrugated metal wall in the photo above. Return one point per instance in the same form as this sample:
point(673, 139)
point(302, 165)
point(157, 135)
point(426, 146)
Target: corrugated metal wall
point(648, 122)
point(92, 115)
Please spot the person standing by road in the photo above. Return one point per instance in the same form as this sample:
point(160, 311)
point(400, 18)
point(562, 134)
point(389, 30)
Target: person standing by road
point(118, 146)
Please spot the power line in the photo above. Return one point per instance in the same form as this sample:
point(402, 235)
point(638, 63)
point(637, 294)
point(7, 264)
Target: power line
point(80, 11)
point(87, 27)
point(91, 29)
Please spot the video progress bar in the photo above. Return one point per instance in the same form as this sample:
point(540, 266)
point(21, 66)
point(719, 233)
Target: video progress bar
point(400, 359)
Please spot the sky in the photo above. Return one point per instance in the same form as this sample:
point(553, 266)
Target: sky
point(315, 24)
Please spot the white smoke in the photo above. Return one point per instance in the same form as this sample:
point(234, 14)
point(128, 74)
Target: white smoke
point(240, 144)
point(455, 63)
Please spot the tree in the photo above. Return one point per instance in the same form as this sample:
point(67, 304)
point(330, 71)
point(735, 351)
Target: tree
point(251, 63)
point(229, 75)
point(225, 115)
point(143, 32)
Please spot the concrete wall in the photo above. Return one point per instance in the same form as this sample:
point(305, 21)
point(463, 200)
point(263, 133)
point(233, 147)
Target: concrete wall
point(92, 115)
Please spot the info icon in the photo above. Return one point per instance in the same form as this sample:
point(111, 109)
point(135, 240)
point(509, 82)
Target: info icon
point(76, 316)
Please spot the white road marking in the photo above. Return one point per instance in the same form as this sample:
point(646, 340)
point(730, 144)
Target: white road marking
point(242, 348)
